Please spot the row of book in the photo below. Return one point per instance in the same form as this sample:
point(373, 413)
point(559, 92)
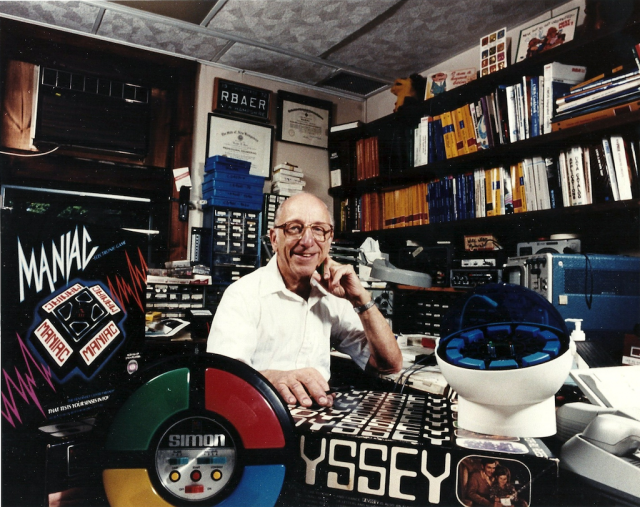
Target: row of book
point(609, 94)
point(509, 114)
point(373, 211)
point(356, 156)
point(604, 171)
point(557, 99)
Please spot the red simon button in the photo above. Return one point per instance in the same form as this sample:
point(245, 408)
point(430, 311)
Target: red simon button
point(196, 475)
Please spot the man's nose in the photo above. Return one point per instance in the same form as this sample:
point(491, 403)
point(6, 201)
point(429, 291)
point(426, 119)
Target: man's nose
point(307, 237)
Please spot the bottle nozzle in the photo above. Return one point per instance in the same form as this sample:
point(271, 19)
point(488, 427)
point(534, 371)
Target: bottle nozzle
point(577, 335)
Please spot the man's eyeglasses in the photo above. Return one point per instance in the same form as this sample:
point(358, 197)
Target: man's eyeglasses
point(320, 232)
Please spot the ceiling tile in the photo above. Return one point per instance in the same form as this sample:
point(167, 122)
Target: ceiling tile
point(192, 11)
point(310, 27)
point(162, 36)
point(247, 57)
point(69, 15)
point(290, 39)
point(421, 34)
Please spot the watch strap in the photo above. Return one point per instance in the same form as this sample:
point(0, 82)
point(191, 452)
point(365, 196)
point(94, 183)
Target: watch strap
point(364, 307)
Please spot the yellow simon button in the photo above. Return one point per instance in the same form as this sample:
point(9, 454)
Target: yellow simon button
point(174, 476)
point(216, 475)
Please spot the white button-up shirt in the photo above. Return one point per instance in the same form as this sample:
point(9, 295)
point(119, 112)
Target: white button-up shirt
point(262, 323)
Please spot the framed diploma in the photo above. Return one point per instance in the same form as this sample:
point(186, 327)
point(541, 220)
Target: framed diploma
point(241, 140)
point(303, 120)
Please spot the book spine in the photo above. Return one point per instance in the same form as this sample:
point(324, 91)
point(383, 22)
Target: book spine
point(600, 87)
point(618, 152)
point(438, 139)
point(530, 185)
point(606, 146)
point(459, 127)
point(512, 114)
point(473, 112)
point(586, 164)
point(534, 104)
point(469, 129)
point(541, 104)
point(491, 202)
point(600, 114)
point(553, 182)
point(516, 189)
point(610, 93)
point(601, 184)
point(425, 128)
point(602, 80)
point(576, 176)
point(563, 177)
point(360, 159)
point(448, 135)
point(546, 126)
point(416, 145)
point(507, 191)
point(502, 113)
point(485, 125)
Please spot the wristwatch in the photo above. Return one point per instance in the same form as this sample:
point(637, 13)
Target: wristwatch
point(364, 307)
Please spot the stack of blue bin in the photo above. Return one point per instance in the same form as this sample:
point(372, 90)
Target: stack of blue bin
point(228, 184)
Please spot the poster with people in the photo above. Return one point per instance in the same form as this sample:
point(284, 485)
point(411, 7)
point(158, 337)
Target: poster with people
point(493, 482)
point(547, 35)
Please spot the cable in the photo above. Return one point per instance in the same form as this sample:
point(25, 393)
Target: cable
point(430, 362)
point(30, 154)
point(410, 371)
point(588, 294)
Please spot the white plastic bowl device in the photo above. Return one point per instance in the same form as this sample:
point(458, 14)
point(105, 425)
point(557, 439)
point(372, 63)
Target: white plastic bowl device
point(506, 352)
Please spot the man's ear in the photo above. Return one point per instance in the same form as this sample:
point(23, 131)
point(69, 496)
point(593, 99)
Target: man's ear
point(273, 237)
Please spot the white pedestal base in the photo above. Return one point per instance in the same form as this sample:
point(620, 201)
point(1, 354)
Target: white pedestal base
point(535, 420)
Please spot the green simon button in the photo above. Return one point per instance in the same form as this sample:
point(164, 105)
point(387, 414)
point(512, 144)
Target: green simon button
point(147, 409)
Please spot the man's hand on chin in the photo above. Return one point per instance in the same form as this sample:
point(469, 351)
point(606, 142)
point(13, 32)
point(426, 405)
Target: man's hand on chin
point(304, 386)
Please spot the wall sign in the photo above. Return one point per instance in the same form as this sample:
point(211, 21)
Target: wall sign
point(241, 100)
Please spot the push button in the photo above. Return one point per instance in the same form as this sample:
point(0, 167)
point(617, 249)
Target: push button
point(174, 476)
point(216, 475)
point(196, 475)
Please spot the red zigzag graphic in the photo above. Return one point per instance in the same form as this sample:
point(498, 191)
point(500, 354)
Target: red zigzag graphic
point(134, 289)
point(24, 386)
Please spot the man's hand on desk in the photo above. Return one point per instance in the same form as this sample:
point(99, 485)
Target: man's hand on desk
point(303, 386)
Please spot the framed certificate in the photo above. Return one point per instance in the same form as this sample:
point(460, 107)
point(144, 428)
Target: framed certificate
point(303, 120)
point(241, 140)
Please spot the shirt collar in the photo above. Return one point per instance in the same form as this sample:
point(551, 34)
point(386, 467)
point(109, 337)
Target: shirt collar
point(275, 283)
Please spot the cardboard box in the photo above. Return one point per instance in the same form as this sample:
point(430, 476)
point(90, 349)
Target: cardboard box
point(73, 317)
point(392, 449)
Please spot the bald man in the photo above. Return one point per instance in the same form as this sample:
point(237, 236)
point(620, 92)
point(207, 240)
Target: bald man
point(283, 318)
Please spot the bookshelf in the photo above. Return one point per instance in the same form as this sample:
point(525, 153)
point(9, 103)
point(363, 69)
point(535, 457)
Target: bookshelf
point(604, 227)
